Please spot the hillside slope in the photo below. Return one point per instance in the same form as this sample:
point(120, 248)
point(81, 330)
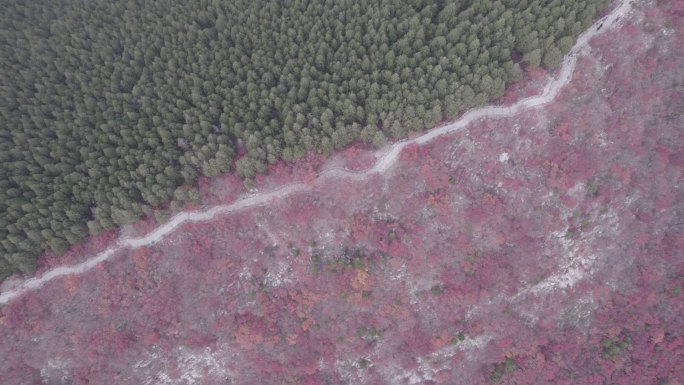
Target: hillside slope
point(540, 248)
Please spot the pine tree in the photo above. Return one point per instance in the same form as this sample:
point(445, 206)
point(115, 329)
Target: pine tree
point(552, 58)
point(106, 113)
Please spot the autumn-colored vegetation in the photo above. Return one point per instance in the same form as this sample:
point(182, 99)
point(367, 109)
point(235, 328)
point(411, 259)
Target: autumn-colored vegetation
point(559, 263)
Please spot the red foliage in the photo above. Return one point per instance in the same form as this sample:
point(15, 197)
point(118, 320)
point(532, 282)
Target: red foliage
point(452, 260)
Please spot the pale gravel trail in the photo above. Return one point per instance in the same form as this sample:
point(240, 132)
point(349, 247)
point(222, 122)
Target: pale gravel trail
point(386, 158)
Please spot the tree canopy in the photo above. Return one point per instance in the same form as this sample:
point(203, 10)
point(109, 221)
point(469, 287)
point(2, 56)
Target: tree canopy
point(109, 107)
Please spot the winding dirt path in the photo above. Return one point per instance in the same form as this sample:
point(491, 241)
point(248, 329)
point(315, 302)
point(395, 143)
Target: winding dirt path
point(386, 158)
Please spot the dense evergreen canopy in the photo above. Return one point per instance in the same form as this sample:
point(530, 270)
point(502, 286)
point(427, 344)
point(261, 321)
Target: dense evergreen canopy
point(112, 107)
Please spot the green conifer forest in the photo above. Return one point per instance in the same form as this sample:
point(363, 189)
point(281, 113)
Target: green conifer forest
point(109, 108)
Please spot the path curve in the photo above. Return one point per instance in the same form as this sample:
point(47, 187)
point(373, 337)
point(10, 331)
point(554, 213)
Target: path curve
point(387, 157)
